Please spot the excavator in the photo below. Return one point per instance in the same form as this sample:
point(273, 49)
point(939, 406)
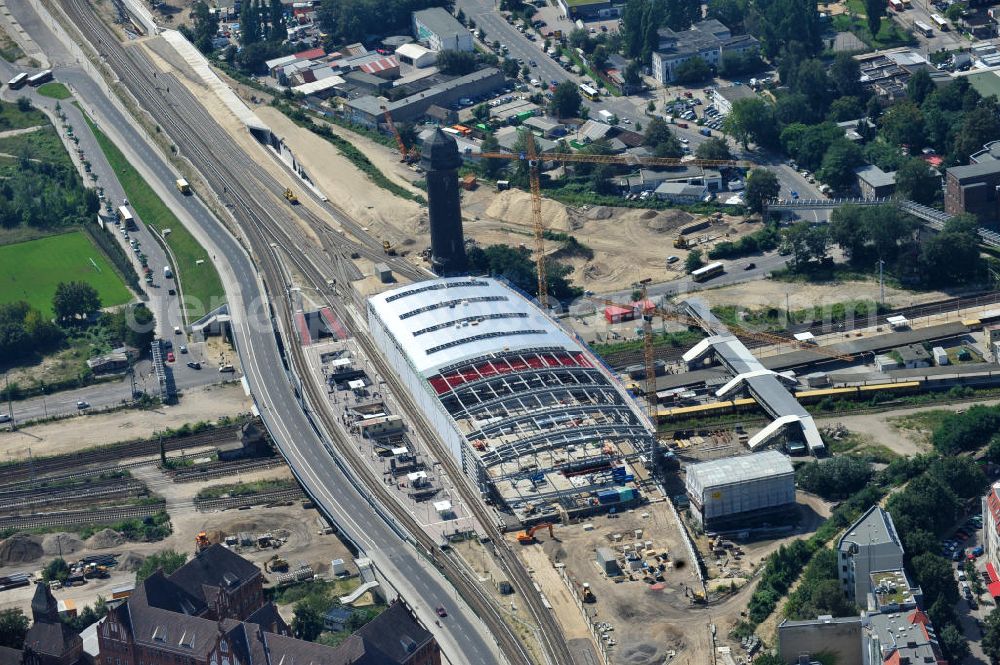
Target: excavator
point(290, 196)
point(201, 542)
point(527, 537)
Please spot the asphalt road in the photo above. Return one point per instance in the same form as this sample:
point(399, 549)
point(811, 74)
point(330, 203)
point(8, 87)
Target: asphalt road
point(461, 634)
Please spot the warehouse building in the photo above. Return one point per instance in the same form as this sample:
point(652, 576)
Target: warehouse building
point(535, 420)
point(739, 491)
point(440, 30)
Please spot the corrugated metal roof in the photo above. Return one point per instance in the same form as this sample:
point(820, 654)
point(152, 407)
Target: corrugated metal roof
point(738, 469)
point(445, 321)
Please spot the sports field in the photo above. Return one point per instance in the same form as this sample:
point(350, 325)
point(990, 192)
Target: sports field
point(31, 270)
point(985, 83)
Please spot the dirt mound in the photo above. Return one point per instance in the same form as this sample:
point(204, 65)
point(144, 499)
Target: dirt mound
point(514, 207)
point(61, 544)
point(20, 548)
point(595, 270)
point(130, 562)
point(598, 212)
point(649, 214)
point(668, 220)
point(642, 653)
point(104, 539)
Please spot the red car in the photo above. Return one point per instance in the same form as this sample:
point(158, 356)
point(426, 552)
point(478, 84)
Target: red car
point(170, 356)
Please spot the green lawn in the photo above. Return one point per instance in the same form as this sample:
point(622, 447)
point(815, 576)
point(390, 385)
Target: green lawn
point(55, 90)
point(12, 117)
point(985, 83)
point(197, 276)
point(31, 270)
point(43, 145)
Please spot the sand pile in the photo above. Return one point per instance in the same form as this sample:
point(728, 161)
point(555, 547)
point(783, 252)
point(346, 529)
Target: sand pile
point(130, 562)
point(20, 548)
point(515, 207)
point(668, 220)
point(61, 544)
point(104, 539)
point(598, 212)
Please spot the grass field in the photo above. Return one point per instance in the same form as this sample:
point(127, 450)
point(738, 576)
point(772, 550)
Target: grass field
point(31, 270)
point(12, 117)
point(985, 83)
point(43, 145)
point(55, 90)
point(199, 282)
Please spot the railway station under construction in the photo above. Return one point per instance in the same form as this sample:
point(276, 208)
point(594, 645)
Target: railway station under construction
point(536, 421)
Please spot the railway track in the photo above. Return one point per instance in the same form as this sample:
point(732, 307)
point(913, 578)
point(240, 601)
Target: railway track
point(227, 169)
point(78, 517)
point(10, 500)
point(110, 454)
point(222, 469)
point(263, 498)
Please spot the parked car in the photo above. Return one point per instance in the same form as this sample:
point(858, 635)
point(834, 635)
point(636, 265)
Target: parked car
point(170, 356)
point(194, 365)
point(441, 612)
point(82, 405)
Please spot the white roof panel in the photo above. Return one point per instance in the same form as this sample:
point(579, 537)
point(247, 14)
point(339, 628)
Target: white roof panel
point(731, 470)
point(446, 321)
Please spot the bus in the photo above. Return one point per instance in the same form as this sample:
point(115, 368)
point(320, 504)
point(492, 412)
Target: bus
point(940, 22)
point(18, 81)
point(126, 218)
point(707, 272)
point(923, 28)
point(589, 92)
point(40, 78)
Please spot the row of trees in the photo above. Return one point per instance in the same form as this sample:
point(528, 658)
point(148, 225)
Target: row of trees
point(346, 21)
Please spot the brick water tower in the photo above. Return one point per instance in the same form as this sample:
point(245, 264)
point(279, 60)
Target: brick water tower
point(440, 159)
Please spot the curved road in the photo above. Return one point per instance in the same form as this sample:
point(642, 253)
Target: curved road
point(461, 635)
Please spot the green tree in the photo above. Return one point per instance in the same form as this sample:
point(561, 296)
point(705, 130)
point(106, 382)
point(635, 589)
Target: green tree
point(955, 646)
point(481, 112)
point(661, 138)
point(874, 10)
point(492, 168)
point(206, 24)
point(752, 119)
point(845, 74)
point(836, 478)
point(250, 28)
point(728, 12)
point(279, 31)
point(456, 63)
point(307, 622)
point(599, 58)
point(713, 148)
point(693, 261)
point(510, 68)
point(166, 560)
point(789, 26)
point(633, 75)
point(960, 432)
point(839, 162)
point(565, 101)
point(812, 81)
point(934, 575)
point(904, 125)
point(843, 109)
point(991, 636)
point(57, 569)
point(915, 181)
point(919, 86)
point(807, 242)
point(692, 70)
point(979, 126)
point(633, 29)
point(761, 186)
point(75, 299)
point(13, 628)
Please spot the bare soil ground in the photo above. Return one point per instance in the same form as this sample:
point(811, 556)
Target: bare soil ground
point(648, 624)
point(301, 528)
point(73, 434)
point(771, 293)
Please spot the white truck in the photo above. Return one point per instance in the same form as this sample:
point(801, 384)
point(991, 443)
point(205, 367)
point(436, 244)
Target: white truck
point(607, 116)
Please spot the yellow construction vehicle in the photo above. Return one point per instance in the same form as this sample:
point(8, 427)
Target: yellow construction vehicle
point(527, 537)
point(290, 196)
point(680, 242)
point(201, 542)
point(388, 248)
